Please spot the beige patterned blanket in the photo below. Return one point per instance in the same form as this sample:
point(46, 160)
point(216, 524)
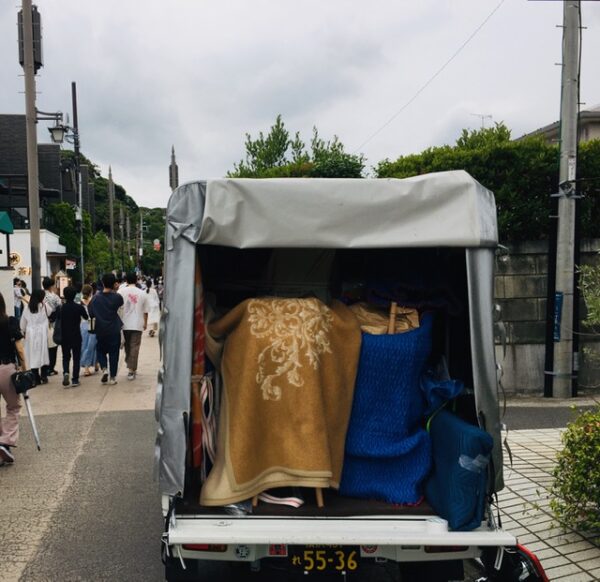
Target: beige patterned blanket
point(288, 367)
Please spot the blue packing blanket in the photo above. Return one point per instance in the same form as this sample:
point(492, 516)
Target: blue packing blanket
point(457, 485)
point(388, 454)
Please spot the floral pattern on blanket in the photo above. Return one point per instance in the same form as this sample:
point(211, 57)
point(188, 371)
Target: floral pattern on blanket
point(298, 329)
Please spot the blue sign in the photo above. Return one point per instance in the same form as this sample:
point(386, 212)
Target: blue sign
point(558, 303)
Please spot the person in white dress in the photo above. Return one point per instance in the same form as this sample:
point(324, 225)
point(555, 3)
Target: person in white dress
point(153, 308)
point(34, 325)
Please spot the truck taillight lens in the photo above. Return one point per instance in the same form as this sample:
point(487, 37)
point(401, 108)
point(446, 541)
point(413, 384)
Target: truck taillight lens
point(442, 549)
point(205, 547)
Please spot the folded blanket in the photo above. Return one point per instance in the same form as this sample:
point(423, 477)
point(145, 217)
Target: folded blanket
point(289, 368)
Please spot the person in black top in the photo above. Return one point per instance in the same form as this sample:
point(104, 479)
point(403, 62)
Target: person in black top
point(70, 316)
point(11, 347)
point(104, 308)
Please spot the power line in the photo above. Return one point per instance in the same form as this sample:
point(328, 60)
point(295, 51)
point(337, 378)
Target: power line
point(433, 77)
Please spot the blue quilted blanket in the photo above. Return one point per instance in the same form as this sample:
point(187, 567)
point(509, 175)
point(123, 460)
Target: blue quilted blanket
point(388, 454)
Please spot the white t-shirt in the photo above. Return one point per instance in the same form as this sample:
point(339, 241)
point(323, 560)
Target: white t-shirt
point(135, 304)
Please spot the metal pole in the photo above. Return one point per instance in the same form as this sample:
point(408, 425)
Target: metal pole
point(565, 246)
point(76, 145)
point(33, 186)
point(111, 196)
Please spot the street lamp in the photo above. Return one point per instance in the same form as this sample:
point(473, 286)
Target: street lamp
point(60, 133)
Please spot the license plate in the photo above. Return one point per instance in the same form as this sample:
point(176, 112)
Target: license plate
point(324, 558)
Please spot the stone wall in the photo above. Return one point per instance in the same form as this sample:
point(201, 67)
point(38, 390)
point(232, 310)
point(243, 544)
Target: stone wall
point(520, 290)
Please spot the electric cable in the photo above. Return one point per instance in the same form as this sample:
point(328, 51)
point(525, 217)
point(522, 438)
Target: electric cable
point(433, 77)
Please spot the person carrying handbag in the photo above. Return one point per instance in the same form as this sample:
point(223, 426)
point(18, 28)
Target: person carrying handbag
point(11, 348)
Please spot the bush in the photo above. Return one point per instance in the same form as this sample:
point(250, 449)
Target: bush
point(576, 487)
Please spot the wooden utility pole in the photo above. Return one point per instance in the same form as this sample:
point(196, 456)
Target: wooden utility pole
point(111, 216)
point(33, 184)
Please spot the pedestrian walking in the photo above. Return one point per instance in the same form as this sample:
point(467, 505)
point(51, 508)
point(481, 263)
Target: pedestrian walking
point(18, 293)
point(71, 315)
point(11, 349)
point(52, 303)
point(153, 308)
point(135, 322)
point(104, 309)
point(34, 325)
point(88, 340)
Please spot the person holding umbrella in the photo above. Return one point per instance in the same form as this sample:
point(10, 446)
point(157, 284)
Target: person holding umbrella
point(11, 348)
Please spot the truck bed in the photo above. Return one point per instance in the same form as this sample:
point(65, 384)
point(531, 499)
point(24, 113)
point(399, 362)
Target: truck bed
point(335, 505)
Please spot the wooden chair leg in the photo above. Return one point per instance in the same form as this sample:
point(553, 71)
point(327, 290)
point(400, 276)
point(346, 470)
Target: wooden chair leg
point(319, 495)
point(255, 501)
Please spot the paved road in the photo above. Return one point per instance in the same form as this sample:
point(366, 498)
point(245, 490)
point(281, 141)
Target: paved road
point(87, 508)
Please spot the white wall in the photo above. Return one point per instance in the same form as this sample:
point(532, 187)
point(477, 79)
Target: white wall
point(20, 243)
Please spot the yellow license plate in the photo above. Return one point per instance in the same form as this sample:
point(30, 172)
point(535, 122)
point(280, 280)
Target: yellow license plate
point(324, 558)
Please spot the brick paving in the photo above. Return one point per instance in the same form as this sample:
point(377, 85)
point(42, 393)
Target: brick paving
point(567, 556)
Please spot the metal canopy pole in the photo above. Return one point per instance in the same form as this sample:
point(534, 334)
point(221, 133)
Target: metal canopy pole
point(565, 246)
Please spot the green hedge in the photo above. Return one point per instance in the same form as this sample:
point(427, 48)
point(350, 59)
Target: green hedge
point(522, 174)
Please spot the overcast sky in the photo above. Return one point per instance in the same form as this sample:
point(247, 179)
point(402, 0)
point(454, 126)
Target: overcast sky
point(199, 74)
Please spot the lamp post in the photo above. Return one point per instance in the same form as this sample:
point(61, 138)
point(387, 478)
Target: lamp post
point(60, 133)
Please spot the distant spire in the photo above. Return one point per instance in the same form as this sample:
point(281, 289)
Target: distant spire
point(173, 171)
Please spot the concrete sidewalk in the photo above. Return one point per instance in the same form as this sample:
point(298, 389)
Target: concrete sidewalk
point(525, 511)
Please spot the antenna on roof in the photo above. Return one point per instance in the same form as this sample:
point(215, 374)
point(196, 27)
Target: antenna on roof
point(483, 117)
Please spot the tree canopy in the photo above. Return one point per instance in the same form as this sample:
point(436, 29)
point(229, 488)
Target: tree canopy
point(278, 155)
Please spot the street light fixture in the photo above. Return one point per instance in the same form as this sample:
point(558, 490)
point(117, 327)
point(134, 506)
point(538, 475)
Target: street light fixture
point(60, 133)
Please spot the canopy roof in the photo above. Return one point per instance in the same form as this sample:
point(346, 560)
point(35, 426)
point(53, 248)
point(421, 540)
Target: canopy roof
point(442, 209)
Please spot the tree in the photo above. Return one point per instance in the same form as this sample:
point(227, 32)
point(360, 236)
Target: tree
point(99, 259)
point(522, 175)
point(276, 155)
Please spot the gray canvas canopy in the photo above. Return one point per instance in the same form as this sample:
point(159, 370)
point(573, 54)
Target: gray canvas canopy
point(447, 209)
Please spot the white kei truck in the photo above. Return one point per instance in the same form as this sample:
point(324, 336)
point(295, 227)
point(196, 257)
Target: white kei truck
point(445, 223)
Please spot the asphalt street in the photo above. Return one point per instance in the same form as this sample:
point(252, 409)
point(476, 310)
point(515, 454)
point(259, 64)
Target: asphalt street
point(86, 507)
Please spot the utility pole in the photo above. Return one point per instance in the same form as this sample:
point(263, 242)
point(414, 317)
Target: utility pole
point(128, 232)
point(122, 241)
point(33, 185)
point(564, 358)
point(111, 198)
point(141, 251)
point(76, 144)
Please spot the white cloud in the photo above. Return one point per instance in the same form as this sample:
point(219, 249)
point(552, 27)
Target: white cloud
point(201, 74)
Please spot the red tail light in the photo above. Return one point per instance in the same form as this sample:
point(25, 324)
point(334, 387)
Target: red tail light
point(441, 549)
point(205, 547)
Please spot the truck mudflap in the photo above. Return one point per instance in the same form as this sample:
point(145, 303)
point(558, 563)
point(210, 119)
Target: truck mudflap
point(246, 539)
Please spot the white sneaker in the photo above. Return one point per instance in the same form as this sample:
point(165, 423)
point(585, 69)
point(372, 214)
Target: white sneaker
point(104, 379)
point(131, 375)
point(112, 381)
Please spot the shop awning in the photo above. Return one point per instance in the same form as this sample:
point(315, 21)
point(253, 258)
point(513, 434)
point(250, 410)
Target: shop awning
point(6, 225)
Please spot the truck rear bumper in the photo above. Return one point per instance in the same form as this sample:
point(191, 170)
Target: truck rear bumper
point(400, 539)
